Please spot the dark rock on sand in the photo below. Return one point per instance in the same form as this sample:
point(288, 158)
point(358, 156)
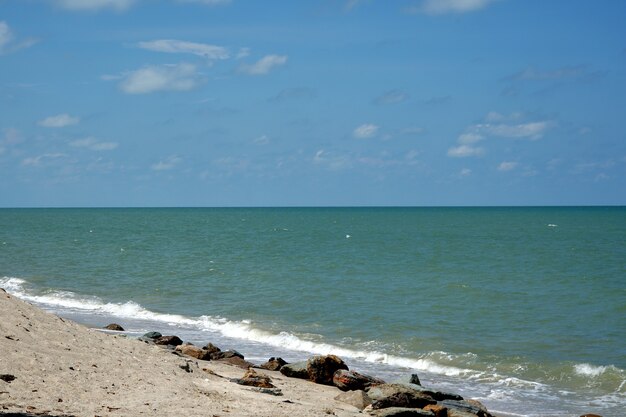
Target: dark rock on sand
point(352, 380)
point(226, 354)
point(237, 361)
point(295, 370)
point(398, 395)
point(152, 335)
point(403, 399)
point(194, 352)
point(403, 412)
point(358, 399)
point(7, 378)
point(168, 340)
point(273, 364)
point(322, 368)
point(211, 348)
point(114, 326)
point(252, 379)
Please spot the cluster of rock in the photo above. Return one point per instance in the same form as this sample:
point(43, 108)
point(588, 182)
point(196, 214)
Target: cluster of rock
point(380, 398)
point(372, 395)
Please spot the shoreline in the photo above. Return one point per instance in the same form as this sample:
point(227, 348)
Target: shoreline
point(59, 367)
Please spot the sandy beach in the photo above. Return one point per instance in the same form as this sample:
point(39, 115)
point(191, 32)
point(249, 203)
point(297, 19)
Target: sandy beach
point(63, 368)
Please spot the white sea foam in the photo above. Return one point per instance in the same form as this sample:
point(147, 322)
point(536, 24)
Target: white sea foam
point(242, 330)
point(586, 369)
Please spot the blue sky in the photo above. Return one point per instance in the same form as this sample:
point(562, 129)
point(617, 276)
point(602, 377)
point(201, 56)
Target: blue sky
point(312, 103)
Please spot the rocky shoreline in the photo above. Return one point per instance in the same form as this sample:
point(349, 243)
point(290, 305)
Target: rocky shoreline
point(371, 395)
point(50, 366)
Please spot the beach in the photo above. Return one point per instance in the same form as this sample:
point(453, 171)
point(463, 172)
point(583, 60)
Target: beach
point(63, 368)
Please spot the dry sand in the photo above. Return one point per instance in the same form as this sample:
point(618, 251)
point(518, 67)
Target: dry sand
point(63, 368)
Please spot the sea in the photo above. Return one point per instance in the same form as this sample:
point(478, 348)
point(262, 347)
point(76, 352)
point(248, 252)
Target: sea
point(522, 308)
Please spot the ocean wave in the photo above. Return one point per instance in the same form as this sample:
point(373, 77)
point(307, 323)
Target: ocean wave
point(467, 365)
point(586, 369)
point(242, 330)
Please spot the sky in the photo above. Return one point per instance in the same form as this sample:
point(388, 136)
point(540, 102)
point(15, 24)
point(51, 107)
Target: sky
point(312, 103)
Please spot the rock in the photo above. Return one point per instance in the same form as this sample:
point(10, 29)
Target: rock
point(271, 391)
point(358, 399)
point(237, 361)
point(211, 348)
point(478, 404)
point(168, 340)
point(463, 408)
point(352, 380)
point(590, 415)
point(295, 370)
point(273, 364)
point(438, 410)
point(437, 395)
point(398, 395)
point(415, 379)
point(152, 335)
point(403, 399)
point(114, 326)
point(403, 412)
point(186, 367)
point(252, 379)
point(8, 378)
point(226, 354)
point(194, 352)
point(322, 368)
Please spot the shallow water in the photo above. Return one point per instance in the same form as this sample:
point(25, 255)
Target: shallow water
point(522, 308)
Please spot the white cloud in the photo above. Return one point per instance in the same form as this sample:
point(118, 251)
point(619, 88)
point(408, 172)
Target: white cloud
point(436, 7)
point(464, 151)
point(94, 5)
point(60, 120)
point(507, 166)
point(504, 129)
point(264, 65)
point(331, 161)
point(465, 172)
point(167, 164)
point(469, 138)
point(8, 43)
point(180, 77)
point(181, 47)
point(365, 131)
point(94, 144)
point(531, 130)
point(261, 140)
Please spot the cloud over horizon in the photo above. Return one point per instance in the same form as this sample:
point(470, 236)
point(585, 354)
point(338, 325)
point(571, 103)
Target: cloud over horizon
point(8, 42)
point(438, 7)
point(204, 50)
point(264, 65)
point(60, 120)
point(367, 130)
point(153, 78)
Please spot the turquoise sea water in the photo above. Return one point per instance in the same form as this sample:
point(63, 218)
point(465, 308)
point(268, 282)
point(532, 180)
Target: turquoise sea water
point(522, 308)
